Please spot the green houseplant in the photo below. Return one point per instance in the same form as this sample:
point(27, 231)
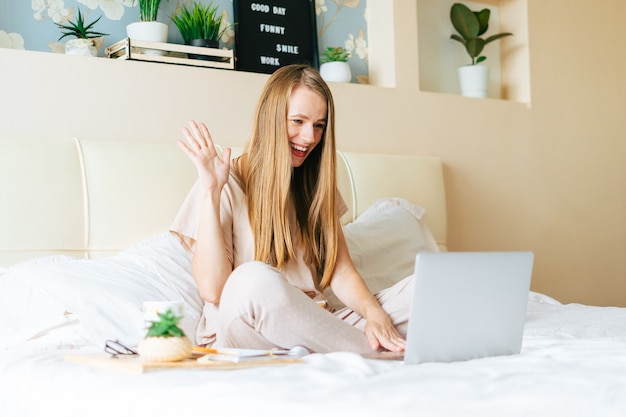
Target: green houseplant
point(148, 28)
point(200, 25)
point(148, 10)
point(87, 41)
point(334, 64)
point(470, 26)
point(200, 22)
point(334, 54)
point(165, 341)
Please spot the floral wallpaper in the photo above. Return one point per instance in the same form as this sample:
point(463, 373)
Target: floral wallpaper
point(30, 24)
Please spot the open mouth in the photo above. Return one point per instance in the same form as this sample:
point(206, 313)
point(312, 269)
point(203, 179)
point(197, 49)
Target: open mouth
point(299, 151)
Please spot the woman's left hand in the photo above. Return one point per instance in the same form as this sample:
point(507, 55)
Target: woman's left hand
point(381, 332)
point(350, 288)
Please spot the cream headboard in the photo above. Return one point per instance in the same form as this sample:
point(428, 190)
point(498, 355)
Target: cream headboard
point(92, 198)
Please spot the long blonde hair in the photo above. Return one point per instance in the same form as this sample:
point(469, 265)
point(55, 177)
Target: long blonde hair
point(274, 188)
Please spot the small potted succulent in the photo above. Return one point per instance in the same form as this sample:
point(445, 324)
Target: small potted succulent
point(334, 64)
point(470, 25)
point(148, 28)
point(165, 341)
point(200, 25)
point(87, 41)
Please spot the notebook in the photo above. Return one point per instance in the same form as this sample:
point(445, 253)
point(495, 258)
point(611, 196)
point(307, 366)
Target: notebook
point(467, 305)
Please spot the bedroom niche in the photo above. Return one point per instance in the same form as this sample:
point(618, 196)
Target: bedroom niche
point(507, 58)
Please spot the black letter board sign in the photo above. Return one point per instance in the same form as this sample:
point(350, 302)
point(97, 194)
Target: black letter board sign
point(270, 34)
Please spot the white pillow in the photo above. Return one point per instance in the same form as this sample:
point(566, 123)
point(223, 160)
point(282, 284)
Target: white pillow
point(27, 312)
point(383, 242)
point(106, 295)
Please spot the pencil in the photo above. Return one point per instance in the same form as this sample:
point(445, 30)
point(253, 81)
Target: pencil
point(203, 349)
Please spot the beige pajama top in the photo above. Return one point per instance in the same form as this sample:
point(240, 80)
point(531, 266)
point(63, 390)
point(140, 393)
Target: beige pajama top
point(239, 244)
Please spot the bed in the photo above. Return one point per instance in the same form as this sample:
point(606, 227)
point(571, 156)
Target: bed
point(84, 241)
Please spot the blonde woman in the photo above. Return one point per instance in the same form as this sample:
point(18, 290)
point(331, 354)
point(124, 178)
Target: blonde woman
point(265, 235)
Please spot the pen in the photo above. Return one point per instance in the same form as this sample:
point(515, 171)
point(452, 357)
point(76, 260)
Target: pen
point(203, 349)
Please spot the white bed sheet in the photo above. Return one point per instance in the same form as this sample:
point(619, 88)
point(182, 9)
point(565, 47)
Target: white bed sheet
point(573, 360)
point(573, 363)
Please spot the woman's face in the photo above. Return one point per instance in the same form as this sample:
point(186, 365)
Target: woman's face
point(306, 121)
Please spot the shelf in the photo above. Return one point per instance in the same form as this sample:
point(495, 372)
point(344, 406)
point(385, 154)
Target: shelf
point(507, 58)
point(171, 53)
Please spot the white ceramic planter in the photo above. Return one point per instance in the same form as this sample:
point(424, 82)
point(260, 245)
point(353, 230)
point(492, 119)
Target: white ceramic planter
point(81, 47)
point(474, 80)
point(149, 32)
point(336, 71)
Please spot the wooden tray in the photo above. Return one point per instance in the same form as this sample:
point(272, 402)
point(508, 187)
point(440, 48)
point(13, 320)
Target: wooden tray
point(170, 53)
point(137, 365)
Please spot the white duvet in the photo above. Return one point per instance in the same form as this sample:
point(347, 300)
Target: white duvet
point(573, 360)
point(573, 363)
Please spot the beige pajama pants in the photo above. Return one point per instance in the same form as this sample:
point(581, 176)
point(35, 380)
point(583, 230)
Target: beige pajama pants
point(260, 309)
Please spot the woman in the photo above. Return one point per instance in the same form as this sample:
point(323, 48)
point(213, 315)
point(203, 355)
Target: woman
point(265, 232)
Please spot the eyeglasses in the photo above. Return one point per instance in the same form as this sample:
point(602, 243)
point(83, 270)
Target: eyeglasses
point(115, 348)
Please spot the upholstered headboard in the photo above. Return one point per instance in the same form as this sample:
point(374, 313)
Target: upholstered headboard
point(92, 198)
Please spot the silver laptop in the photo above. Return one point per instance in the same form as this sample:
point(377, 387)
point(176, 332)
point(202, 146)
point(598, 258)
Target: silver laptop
point(468, 305)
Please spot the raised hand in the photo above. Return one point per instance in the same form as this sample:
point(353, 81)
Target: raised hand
point(212, 171)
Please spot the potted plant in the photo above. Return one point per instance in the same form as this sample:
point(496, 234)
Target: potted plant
point(470, 25)
point(148, 28)
point(200, 25)
point(334, 64)
point(87, 41)
point(165, 341)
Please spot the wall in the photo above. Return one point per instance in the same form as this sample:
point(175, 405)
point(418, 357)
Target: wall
point(547, 177)
point(31, 24)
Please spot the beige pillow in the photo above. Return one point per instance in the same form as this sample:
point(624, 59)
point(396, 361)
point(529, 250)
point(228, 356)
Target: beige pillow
point(383, 242)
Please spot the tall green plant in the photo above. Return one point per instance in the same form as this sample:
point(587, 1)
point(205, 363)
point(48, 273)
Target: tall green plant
point(148, 10)
point(470, 25)
point(199, 22)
